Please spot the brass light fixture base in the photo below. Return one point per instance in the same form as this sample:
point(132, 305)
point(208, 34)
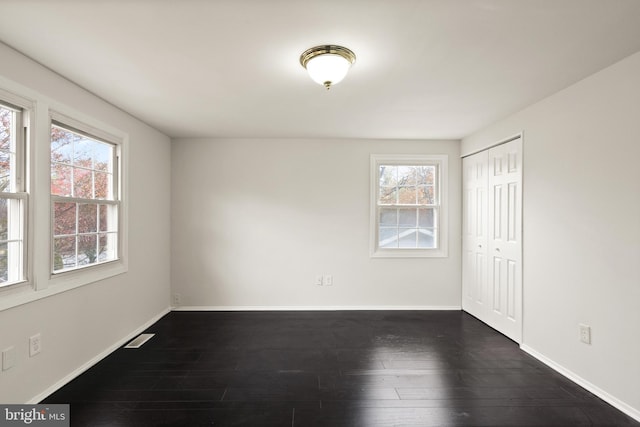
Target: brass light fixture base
point(327, 49)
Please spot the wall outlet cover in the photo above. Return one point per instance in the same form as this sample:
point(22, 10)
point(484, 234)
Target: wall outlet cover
point(35, 345)
point(175, 300)
point(8, 358)
point(585, 334)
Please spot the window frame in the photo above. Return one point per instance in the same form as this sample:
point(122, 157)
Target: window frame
point(440, 161)
point(37, 112)
point(23, 110)
point(85, 274)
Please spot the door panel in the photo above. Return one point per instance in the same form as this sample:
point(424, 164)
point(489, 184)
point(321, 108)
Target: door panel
point(512, 212)
point(505, 210)
point(511, 290)
point(474, 270)
point(480, 278)
point(497, 285)
point(496, 214)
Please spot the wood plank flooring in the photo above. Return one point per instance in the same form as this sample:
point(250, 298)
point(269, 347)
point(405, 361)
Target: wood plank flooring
point(333, 369)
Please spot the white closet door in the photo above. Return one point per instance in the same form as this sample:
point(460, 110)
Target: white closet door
point(492, 237)
point(505, 239)
point(474, 228)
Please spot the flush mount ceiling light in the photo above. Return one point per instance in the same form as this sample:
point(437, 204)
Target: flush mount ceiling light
point(327, 64)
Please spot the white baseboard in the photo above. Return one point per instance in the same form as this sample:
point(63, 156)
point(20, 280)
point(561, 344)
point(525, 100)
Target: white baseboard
point(612, 400)
point(312, 308)
point(93, 361)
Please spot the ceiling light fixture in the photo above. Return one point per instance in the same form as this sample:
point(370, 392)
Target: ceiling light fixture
point(327, 64)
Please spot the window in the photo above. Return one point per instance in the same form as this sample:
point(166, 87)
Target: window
point(13, 195)
point(85, 200)
point(408, 213)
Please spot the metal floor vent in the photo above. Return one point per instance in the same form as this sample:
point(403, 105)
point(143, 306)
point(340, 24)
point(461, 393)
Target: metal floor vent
point(139, 340)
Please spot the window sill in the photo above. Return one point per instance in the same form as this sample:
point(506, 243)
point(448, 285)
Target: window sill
point(83, 276)
point(409, 253)
point(62, 282)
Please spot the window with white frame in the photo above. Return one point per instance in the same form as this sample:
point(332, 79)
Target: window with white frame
point(408, 210)
point(13, 195)
point(85, 200)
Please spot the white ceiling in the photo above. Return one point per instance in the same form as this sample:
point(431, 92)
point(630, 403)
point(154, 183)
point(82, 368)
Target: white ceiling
point(229, 68)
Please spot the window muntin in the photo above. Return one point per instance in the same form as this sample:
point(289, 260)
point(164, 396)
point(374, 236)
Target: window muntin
point(13, 197)
point(84, 198)
point(407, 205)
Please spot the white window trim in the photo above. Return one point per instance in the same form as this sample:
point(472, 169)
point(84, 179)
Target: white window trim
point(69, 279)
point(441, 160)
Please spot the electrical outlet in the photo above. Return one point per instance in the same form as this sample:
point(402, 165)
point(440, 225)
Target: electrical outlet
point(585, 334)
point(328, 280)
point(8, 358)
point(319, 280)
point(35, 345)
point(175, 300)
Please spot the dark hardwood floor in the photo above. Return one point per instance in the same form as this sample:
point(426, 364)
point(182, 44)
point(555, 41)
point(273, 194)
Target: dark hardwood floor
point(334, 369)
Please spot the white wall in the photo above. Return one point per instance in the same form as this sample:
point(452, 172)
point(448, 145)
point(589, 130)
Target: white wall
point(254, 221)
point(582, 227)
point(80, 324)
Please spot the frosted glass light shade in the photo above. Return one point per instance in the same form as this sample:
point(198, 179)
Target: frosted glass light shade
point(327, 65)
point(328, 68)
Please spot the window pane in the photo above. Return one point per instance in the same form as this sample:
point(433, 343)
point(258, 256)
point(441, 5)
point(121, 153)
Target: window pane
point(5, 171)
point(10, 219)
point(407, 218)
point(426, 218)
point(426, 174)
point(4, 263)
point(426, 238)
point(388, 217)
point(10, 262)
point(6, 128)
point(87, 218)
point(61, 145)
point(92, 154)
point(388, 237)
point(83, 152)
point(61, 180)
point(102, 185)
point(82, 183)
point(64, 218)
point(4, 219)
point(103, 155)
point(406, 175)
point(388, 195)
point(64, 253)
point(108, 245)
point(87, 249)
point(90, 174)
point(407, 238)
point(407, 195)
point(388, 176)
point(426, 195)
point(108, 218)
